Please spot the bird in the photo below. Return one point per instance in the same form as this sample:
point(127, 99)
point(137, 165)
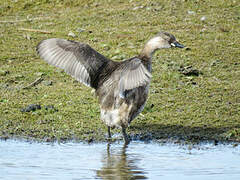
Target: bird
point(121, 86)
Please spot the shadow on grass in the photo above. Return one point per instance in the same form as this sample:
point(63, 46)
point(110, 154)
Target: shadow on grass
point(187, 133)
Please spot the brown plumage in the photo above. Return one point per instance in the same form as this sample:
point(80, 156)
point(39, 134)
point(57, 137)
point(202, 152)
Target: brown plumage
point(122, 87)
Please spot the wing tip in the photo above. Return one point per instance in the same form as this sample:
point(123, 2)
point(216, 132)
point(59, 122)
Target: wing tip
point(38, 47)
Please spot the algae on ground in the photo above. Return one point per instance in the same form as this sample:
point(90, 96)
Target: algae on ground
point(202, 107)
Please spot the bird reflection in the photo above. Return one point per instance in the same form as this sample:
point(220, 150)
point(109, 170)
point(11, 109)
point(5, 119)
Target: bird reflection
point(118, 165)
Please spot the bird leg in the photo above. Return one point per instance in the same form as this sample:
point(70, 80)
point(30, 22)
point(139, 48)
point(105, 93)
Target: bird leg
point(109, 132)
point(125, 136)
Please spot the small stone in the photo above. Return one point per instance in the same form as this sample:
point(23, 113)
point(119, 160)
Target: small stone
point(203, 18)
point(3, 72)
point(203, 30)
point(50, 108)
point(31, 107)
point(235, 145)
point(38, 73)
point(80, 30)
point(138, 7)
point(191, 12)
point(48, 83)
point(71, 34)
point(48, 139)
point(90, 140)
point(189, 71)
point(216, 62)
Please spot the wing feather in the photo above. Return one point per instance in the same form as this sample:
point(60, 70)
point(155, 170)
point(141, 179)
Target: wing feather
point(133, 74)
point(75, 58)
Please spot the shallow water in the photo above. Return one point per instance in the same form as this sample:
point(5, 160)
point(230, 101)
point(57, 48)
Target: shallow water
point(30, 161)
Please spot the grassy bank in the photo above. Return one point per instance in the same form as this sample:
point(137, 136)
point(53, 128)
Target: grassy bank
point(194, 94)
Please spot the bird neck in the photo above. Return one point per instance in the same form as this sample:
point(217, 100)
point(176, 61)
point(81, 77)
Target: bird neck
point(150, 47)
point(147, 53)
point(146, 61)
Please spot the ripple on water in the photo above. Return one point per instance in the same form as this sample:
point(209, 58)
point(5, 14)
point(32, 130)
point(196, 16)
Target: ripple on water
point(24, 160)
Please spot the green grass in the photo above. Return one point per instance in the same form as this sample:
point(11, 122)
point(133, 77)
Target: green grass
point(204, 107)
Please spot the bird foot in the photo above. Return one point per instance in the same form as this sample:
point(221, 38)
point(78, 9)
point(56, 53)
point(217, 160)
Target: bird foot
point(125, 137)
point(109, 139)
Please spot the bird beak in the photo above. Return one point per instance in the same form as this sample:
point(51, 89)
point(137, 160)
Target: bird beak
point(177, 44)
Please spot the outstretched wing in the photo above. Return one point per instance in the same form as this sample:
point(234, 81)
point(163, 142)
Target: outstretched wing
point(133, 75)
point(77, 59)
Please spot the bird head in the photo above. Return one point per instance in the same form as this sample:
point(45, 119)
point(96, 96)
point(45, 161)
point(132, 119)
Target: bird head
point(164, 40)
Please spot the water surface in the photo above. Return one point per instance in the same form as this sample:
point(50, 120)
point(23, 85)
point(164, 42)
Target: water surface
point(30, 161)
